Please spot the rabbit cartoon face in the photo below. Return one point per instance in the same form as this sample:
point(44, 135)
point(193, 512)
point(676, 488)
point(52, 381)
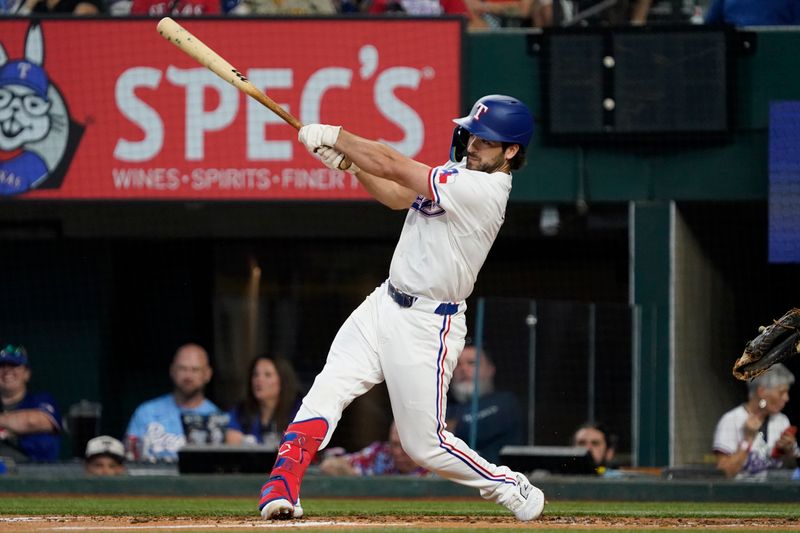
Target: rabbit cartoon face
point(24, 115)
point(35, 126)
point(24, 105)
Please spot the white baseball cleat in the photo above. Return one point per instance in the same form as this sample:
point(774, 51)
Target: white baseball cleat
point(279, 509)
point(282, 509)
point(527, 503)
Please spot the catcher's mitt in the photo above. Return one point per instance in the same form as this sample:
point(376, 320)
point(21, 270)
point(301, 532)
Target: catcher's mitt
point(774, 344)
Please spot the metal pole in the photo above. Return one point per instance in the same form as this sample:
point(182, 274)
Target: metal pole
point(592, 363)
point(636, 348)
point(531, 321)
point(473, 429)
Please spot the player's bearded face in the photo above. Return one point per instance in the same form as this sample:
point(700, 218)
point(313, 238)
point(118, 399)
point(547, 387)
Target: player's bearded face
point(484, 156)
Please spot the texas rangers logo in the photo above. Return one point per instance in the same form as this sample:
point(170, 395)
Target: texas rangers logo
point(480, 110)
point(438, 176)
point(37, 137)
point(446, 176)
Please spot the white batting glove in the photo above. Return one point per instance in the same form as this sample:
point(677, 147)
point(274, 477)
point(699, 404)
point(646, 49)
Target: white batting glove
point(332, 158)
point(315, 135)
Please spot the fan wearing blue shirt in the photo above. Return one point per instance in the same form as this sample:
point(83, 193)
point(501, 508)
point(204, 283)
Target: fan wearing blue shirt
point(156, 427)
point(30, 423)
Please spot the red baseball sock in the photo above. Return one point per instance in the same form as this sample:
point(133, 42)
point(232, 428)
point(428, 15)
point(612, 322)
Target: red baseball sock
point(298, 447)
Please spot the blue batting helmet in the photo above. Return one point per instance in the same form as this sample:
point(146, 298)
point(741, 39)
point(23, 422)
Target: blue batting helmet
point(500, 118)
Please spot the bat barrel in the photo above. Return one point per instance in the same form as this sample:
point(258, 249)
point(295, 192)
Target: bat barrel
point(200, 52)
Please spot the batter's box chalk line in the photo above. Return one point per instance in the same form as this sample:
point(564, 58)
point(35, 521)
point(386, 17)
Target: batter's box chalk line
point(229, 525)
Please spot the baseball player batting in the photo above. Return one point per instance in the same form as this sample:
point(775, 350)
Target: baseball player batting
point(410, 331)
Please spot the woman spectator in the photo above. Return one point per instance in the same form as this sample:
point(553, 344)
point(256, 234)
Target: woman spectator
point(756, 436)
point(273, 397)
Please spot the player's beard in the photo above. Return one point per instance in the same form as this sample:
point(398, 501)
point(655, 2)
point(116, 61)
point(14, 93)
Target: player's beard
point(490, 166)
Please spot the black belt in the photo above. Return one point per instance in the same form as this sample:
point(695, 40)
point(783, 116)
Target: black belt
point(406, 300)
point(400, 298)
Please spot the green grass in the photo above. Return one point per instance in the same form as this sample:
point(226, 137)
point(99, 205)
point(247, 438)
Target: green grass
point(246, 507)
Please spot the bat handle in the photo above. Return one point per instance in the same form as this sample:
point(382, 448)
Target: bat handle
point(286, 116)
point(344, 164)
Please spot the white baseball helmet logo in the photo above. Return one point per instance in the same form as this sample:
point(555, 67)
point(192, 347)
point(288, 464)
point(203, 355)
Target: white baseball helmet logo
point(481, 109)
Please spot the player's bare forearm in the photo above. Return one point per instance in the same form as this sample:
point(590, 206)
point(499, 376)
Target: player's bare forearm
point(384, 162)
point(389, 193)
point(26, 421)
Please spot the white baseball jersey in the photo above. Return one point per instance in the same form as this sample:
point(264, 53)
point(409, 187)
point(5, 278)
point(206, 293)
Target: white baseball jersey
point(446, 237)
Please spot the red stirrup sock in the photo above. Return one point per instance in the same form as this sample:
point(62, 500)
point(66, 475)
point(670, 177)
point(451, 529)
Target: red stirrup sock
point(298, 447)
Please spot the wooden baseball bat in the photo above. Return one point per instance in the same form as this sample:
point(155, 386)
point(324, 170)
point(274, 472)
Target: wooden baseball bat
point(197, 49)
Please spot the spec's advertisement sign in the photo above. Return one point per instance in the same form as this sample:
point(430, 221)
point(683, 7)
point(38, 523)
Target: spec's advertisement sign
point(108, 109)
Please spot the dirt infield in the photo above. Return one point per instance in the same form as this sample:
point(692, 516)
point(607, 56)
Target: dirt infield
point(112, 523)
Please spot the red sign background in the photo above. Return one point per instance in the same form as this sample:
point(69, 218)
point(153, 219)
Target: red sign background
point(398, 81)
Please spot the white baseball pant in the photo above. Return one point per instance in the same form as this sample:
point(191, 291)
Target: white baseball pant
point(415, 351)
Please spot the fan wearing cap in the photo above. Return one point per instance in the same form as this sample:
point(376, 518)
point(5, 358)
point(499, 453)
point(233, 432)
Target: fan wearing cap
point(30, 423)
point(410, 331)
point(105, 456)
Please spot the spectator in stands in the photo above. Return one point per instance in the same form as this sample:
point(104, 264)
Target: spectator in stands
point(272, 400)
point(498, 415)
point(105, 456)
point(58, 7)
point(427, 8)
point(754, 12)
point(162, 8)
point(542, 13)
point(756, 436)
point(156, 430)
point(119, 8)
point(504, 13)
point(572, 12)
point(30, 423)
point(377, 459)
point(280, 7)
point(12, 7)
point(599, 441)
